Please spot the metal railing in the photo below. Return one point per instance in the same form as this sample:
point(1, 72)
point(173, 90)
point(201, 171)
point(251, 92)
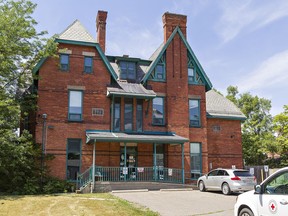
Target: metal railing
point(138, 174)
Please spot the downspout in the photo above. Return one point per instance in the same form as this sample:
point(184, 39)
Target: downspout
point(93, 167)
point(183, 174)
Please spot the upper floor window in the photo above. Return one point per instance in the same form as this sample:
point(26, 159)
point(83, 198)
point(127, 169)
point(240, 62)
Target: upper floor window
point(117, 115)
point(139, 116)
point(191, 76)
point(194, 113)
point(158, 111)
point(128, 115)
point(88, 63)
point(159, 73)
point(75, 105)
point(128, 70)
point(64, 62)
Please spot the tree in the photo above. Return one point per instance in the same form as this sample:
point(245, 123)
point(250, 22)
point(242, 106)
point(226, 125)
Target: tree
point(21, 47)
point(257, 134)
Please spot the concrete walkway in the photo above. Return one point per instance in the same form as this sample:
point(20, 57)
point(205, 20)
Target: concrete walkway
point(180, 203)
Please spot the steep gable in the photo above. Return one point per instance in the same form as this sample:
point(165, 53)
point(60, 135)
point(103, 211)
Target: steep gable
point(156, 57)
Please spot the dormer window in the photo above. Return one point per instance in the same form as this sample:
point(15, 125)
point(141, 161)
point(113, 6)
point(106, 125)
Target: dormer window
point(159, 73)
point(128, 70)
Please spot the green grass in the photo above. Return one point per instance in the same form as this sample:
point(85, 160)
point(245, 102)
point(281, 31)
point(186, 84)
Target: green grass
point(69, 204)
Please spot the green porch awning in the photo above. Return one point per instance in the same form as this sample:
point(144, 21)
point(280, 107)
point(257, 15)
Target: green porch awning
point(168, 138)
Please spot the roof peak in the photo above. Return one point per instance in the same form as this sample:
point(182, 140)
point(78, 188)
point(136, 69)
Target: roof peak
point(77, 32)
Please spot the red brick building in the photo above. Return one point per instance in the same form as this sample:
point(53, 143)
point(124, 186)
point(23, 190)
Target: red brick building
point(132, 119)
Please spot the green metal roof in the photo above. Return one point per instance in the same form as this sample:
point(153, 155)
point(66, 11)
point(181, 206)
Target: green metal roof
point(103, 136)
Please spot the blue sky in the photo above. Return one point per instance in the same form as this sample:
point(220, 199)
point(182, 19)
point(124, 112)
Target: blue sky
point(240, 43)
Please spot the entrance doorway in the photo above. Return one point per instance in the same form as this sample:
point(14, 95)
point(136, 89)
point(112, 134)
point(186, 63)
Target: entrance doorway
point(160, 161)
point(128, 169)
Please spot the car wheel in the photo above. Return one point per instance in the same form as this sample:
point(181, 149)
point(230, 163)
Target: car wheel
point(202, 186)
point(246, 212)
point(226, 189)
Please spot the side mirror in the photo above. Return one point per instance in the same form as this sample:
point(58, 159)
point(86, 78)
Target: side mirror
point(258, 189)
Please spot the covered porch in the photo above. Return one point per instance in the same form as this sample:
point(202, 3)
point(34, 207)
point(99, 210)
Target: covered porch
point(129, 170)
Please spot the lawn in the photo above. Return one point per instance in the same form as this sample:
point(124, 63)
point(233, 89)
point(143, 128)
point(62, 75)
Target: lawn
point(69, 204)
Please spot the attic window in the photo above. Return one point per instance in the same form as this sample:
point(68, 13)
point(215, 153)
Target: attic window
point(64, 62)
point(128, 70)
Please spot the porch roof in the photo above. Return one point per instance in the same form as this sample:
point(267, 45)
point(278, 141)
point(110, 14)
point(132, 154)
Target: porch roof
point(168, 138)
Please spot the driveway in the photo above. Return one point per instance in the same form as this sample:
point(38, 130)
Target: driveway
point(180, 203)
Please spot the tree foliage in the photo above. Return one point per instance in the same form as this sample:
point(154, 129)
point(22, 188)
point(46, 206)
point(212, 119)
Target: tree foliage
point(21, 47)
point(257, 133)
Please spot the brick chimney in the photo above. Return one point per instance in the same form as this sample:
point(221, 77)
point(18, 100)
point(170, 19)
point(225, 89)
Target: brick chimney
point(101, 28)
point(171, 21)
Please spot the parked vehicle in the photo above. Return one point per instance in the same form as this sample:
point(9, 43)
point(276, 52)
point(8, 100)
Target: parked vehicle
point(227, 181)
point(268, 198)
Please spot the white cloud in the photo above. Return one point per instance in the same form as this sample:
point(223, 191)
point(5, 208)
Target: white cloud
point(240, 15)
point(271, 72)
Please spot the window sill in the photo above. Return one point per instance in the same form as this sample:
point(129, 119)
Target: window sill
point(75, 121)
point(195, 126)
point(159, 125)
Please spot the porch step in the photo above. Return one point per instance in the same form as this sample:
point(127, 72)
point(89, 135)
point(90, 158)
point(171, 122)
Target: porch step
point(138, 186)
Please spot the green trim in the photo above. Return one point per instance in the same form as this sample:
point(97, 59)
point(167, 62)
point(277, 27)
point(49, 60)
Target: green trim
point(38, 65)
point(80, 158)
point(190, 51)
point(226, 117)
point(82, 102)
point(163, 123)
point(82, 43)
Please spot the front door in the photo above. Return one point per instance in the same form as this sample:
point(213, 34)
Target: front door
point(131, 162)
point(160, 162)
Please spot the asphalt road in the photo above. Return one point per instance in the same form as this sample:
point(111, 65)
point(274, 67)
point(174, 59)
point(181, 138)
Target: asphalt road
point(180, 203)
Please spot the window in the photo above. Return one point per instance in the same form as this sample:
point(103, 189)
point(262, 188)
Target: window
point(116, 123)
point(195, 160)
point(88, 62)
point(75, 105)
point(64, 62)
point(139, 116)
point(128, 70)
point(73, 155)
point(160, 72)
point(194, 113)
point(158, 111)
point(128, 115)
point(191, 76)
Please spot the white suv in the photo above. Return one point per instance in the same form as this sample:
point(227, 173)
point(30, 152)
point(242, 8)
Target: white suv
point(268, 198)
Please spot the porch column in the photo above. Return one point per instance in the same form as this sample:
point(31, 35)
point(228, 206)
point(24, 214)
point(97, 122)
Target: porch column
point(183, 173)
point(93, 167)
point(125, 162)
point(154, 161)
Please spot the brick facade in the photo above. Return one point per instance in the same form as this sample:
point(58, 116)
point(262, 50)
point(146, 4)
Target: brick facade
point(221, 149)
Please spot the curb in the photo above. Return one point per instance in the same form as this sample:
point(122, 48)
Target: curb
point(129, 191)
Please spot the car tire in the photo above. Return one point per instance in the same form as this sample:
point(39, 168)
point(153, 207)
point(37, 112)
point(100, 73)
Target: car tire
point(226, 189)
point(202, 186)
point(246, 212)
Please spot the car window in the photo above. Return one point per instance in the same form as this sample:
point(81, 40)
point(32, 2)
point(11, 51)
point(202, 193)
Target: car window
point(213, 173)
point(243, 173)
point(278, 185)
point(222, 173)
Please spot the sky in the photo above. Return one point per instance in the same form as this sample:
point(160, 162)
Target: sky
point(239, 43)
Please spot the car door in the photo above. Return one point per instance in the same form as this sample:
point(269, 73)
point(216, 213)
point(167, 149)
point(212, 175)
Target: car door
point(274, 200)
point(220, 178)
point(211, 179)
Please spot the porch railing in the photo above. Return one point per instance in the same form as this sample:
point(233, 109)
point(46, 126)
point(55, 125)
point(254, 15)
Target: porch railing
point(137, 174)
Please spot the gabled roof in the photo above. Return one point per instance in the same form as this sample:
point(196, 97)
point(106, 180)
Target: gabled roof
point(160, 51)
point(218, 106)
point(76, 32)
